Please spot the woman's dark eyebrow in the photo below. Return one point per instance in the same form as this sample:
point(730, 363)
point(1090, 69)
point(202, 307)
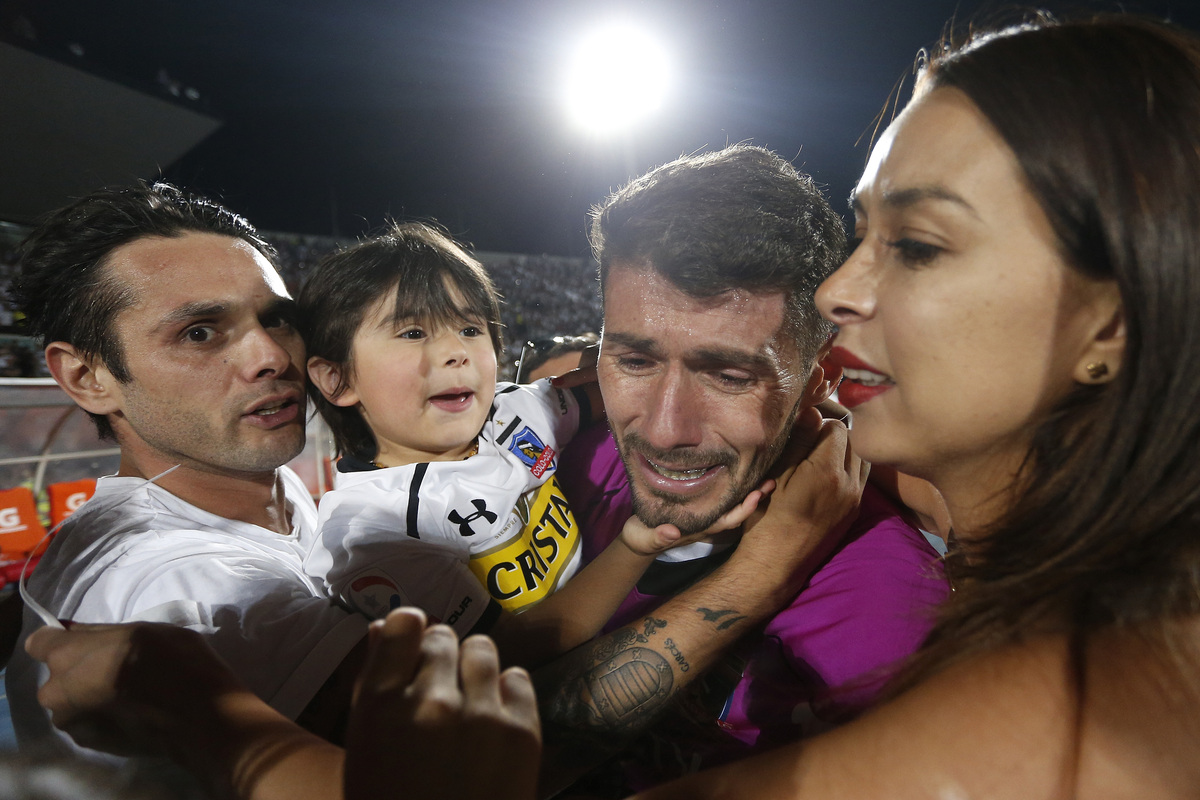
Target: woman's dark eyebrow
point(919, 194)
point(903, 198)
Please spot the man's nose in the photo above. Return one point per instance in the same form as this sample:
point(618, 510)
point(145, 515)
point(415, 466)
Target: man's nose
point(676, 416)
point(267, 354)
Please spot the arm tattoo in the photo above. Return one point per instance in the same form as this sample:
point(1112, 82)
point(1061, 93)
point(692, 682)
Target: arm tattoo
point(597, 698)
point(615, 685)
point(620, 683)
point(715, 616)
point(684, 666)
point(620, 690)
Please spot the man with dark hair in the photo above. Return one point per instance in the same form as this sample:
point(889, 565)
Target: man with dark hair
point(741, 218)
point(711, 352)
point(63, 288)
point(163, 316)
point(736, 231)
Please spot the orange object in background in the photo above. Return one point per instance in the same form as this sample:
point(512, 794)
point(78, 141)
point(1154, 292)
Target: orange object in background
point(20, 528)
point(67, 496)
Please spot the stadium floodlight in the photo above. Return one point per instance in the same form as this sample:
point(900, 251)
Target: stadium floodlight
point(619, 75)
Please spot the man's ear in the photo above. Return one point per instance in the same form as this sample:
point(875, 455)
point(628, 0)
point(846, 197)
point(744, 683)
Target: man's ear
point(327, 376)
point(1104, 350)
point(86, 380)
point(825, 377)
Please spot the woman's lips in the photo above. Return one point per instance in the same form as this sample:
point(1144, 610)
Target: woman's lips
point(860, 381)
point(851, 393)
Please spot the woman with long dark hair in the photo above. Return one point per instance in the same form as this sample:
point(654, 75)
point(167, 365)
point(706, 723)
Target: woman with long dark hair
point(1020, 325)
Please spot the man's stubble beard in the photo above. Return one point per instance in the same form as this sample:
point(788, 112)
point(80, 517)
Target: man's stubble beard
point(186, 435)
point(655, 509)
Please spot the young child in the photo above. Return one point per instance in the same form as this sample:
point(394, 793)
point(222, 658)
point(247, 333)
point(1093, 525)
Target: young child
point(446, 496)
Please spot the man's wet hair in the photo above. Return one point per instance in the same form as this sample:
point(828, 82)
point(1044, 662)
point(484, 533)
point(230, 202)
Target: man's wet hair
point(738, 218)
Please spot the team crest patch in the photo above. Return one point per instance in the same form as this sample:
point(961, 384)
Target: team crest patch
point(526, 446)
point(374, 594)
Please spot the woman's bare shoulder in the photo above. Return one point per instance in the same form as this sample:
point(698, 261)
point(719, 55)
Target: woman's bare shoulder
point(1141, 719)
point(1003, 724)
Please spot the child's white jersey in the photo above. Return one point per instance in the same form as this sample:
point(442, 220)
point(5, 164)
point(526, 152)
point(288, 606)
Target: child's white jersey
point(456, 538)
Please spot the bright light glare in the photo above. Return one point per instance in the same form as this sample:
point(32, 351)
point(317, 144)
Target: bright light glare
point(618, 77)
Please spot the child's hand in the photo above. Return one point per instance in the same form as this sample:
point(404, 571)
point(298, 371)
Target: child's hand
point(646, 541)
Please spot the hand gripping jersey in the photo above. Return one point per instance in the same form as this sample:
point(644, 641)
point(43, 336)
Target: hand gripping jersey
point(457, 538)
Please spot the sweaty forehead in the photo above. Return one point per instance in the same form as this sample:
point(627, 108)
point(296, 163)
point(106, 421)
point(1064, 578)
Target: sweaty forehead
point(207, 259)
point(643, 309)
point(167, 281)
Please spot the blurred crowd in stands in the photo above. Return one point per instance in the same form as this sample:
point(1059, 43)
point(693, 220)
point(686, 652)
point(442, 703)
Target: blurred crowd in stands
point(544, 296)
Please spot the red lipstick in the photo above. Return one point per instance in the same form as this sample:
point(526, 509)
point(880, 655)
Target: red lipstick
point(860, 382)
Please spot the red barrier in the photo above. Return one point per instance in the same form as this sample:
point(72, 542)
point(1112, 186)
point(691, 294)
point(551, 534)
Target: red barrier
point(67, 496)
point(20, 528)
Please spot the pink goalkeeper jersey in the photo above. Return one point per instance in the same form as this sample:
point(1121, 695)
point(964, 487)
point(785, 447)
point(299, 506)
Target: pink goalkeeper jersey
point(819, 661)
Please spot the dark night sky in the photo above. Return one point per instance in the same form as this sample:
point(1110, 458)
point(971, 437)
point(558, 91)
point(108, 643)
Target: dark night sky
point(339, 114)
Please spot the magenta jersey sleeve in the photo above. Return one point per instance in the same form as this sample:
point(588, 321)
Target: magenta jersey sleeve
point(819, 660)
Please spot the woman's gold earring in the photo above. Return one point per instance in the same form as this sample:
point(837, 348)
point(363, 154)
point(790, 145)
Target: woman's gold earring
point(1097, 370)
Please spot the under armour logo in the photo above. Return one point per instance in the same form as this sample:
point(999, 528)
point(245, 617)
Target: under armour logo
point(464, 523)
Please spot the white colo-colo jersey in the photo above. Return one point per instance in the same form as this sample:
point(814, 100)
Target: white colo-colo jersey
point(136, 552)
point(458, 539)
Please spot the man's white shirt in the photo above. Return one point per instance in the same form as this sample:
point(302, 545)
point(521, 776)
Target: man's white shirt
point(136, 552)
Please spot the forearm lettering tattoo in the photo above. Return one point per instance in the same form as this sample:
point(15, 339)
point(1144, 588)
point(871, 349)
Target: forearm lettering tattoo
point(684, 666)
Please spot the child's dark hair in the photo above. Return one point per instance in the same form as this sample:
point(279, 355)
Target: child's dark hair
point(424, 268)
